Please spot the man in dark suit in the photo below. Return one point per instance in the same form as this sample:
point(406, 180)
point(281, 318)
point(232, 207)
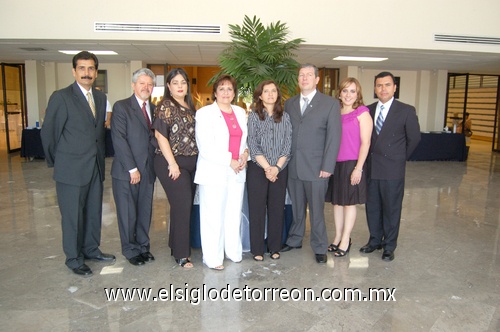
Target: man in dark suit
point(316, 133)
point(396, 135)
point(133, 168)
point(73, 141)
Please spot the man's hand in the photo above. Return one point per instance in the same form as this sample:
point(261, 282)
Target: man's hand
point(323, 174)
point(135, 177)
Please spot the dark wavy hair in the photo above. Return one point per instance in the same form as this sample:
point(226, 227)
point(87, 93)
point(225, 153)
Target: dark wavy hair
point(85, 55)
point(225, 78)
point(259, 104)
point(344, 84)
point(167, 96)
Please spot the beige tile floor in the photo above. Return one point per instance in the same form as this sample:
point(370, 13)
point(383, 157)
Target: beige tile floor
point(446, 274)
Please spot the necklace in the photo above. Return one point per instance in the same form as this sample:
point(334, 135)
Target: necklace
point(232, 120)
point(231, 117)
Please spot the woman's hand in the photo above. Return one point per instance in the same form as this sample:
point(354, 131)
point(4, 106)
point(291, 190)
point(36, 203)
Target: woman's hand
point(243, 160)
point(174, 171)
point(356, 176)
point(242, 164)
point(235, 165)
point(272, 173)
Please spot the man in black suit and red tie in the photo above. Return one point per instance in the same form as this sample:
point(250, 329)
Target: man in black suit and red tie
point(73, 142)
point(132, 171)
point(396, 135)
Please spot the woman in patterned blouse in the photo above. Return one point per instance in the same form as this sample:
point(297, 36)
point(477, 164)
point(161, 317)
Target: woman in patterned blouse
point(175, 161)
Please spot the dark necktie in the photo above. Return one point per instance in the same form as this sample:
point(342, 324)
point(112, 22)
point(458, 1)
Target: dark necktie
point(144, 112)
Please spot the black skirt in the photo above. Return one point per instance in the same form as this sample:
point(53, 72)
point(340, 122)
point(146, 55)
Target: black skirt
point(340, 191)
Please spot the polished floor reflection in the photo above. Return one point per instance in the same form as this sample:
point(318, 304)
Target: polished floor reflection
point(446, 274)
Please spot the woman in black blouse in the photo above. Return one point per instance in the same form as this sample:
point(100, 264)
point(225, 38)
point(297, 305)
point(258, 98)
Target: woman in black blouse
point(175, 161)
point(269, 142)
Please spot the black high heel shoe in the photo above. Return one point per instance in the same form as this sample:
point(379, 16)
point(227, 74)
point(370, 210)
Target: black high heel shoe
point(342, 253)
point(333, 247)
point(183, 262)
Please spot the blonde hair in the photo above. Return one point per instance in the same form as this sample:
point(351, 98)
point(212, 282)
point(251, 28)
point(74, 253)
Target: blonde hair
point(344, 84)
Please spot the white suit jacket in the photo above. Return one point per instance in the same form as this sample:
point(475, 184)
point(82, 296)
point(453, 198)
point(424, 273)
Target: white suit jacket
point(212, 138)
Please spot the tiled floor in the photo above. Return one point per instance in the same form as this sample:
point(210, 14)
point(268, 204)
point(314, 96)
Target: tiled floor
point(446, 274)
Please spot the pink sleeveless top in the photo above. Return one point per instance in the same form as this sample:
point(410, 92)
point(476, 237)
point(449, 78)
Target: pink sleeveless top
point(351, 141)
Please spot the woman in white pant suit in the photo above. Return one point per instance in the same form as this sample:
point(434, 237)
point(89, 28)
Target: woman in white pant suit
point(221, 136)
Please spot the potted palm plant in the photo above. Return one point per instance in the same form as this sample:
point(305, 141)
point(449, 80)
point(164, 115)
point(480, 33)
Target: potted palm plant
point(258, 53)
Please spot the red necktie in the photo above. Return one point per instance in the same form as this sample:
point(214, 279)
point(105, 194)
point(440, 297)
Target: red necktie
point(144, 112)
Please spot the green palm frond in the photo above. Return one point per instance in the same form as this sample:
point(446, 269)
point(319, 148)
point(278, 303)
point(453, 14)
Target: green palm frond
point(259, 53)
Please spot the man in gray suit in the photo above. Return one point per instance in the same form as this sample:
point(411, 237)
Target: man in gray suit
point(73, 142)
point(133, 167)
point(316, 133)
point(396, 134)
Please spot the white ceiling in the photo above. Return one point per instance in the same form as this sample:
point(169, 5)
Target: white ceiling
point(203, 53)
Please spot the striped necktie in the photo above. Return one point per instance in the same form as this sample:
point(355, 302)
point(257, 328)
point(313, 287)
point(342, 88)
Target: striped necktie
point(91, 103)
point(380, 120)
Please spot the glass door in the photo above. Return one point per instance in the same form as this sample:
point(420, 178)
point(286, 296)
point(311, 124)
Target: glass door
point(12, 106)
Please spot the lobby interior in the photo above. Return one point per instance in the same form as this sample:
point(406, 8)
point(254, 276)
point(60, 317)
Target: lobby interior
point(446, 274)
point(445, 277)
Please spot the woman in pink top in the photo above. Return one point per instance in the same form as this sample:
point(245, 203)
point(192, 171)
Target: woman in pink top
point(349, 184)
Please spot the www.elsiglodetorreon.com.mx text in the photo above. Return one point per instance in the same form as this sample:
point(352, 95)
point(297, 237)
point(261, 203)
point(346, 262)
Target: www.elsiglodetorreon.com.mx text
point(196, 295)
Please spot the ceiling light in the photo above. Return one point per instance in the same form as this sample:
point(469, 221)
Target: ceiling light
point(359, 58)
point(95, 52)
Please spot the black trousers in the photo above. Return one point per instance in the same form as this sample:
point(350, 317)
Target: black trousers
point(383, 211)
point(180, 194)
point(134, 205)
point(81, 215)
point(265, 197)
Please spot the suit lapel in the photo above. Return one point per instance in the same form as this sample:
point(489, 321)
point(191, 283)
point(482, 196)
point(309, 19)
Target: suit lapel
point(312, 103)
point(391, 114)
point(82, 100)
point(100, 105)
point(137, 110)
point(152, 110)
point(295, 107)
point(373, 109)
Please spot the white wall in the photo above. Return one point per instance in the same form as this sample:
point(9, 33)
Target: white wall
point(393, 23)
point(426, 90)
point(56, 76)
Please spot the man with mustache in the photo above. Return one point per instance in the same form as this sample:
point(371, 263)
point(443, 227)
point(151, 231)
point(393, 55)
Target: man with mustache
point(133, 167)
point(73, 141)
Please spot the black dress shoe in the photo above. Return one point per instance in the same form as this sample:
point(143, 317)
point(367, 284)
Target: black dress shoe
point(136, 260)
point(83, 270)
point(321, 258)
point(102, 257)
point(366, 249)
point(388, 255)
point(147, 256)
point(286, 247)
